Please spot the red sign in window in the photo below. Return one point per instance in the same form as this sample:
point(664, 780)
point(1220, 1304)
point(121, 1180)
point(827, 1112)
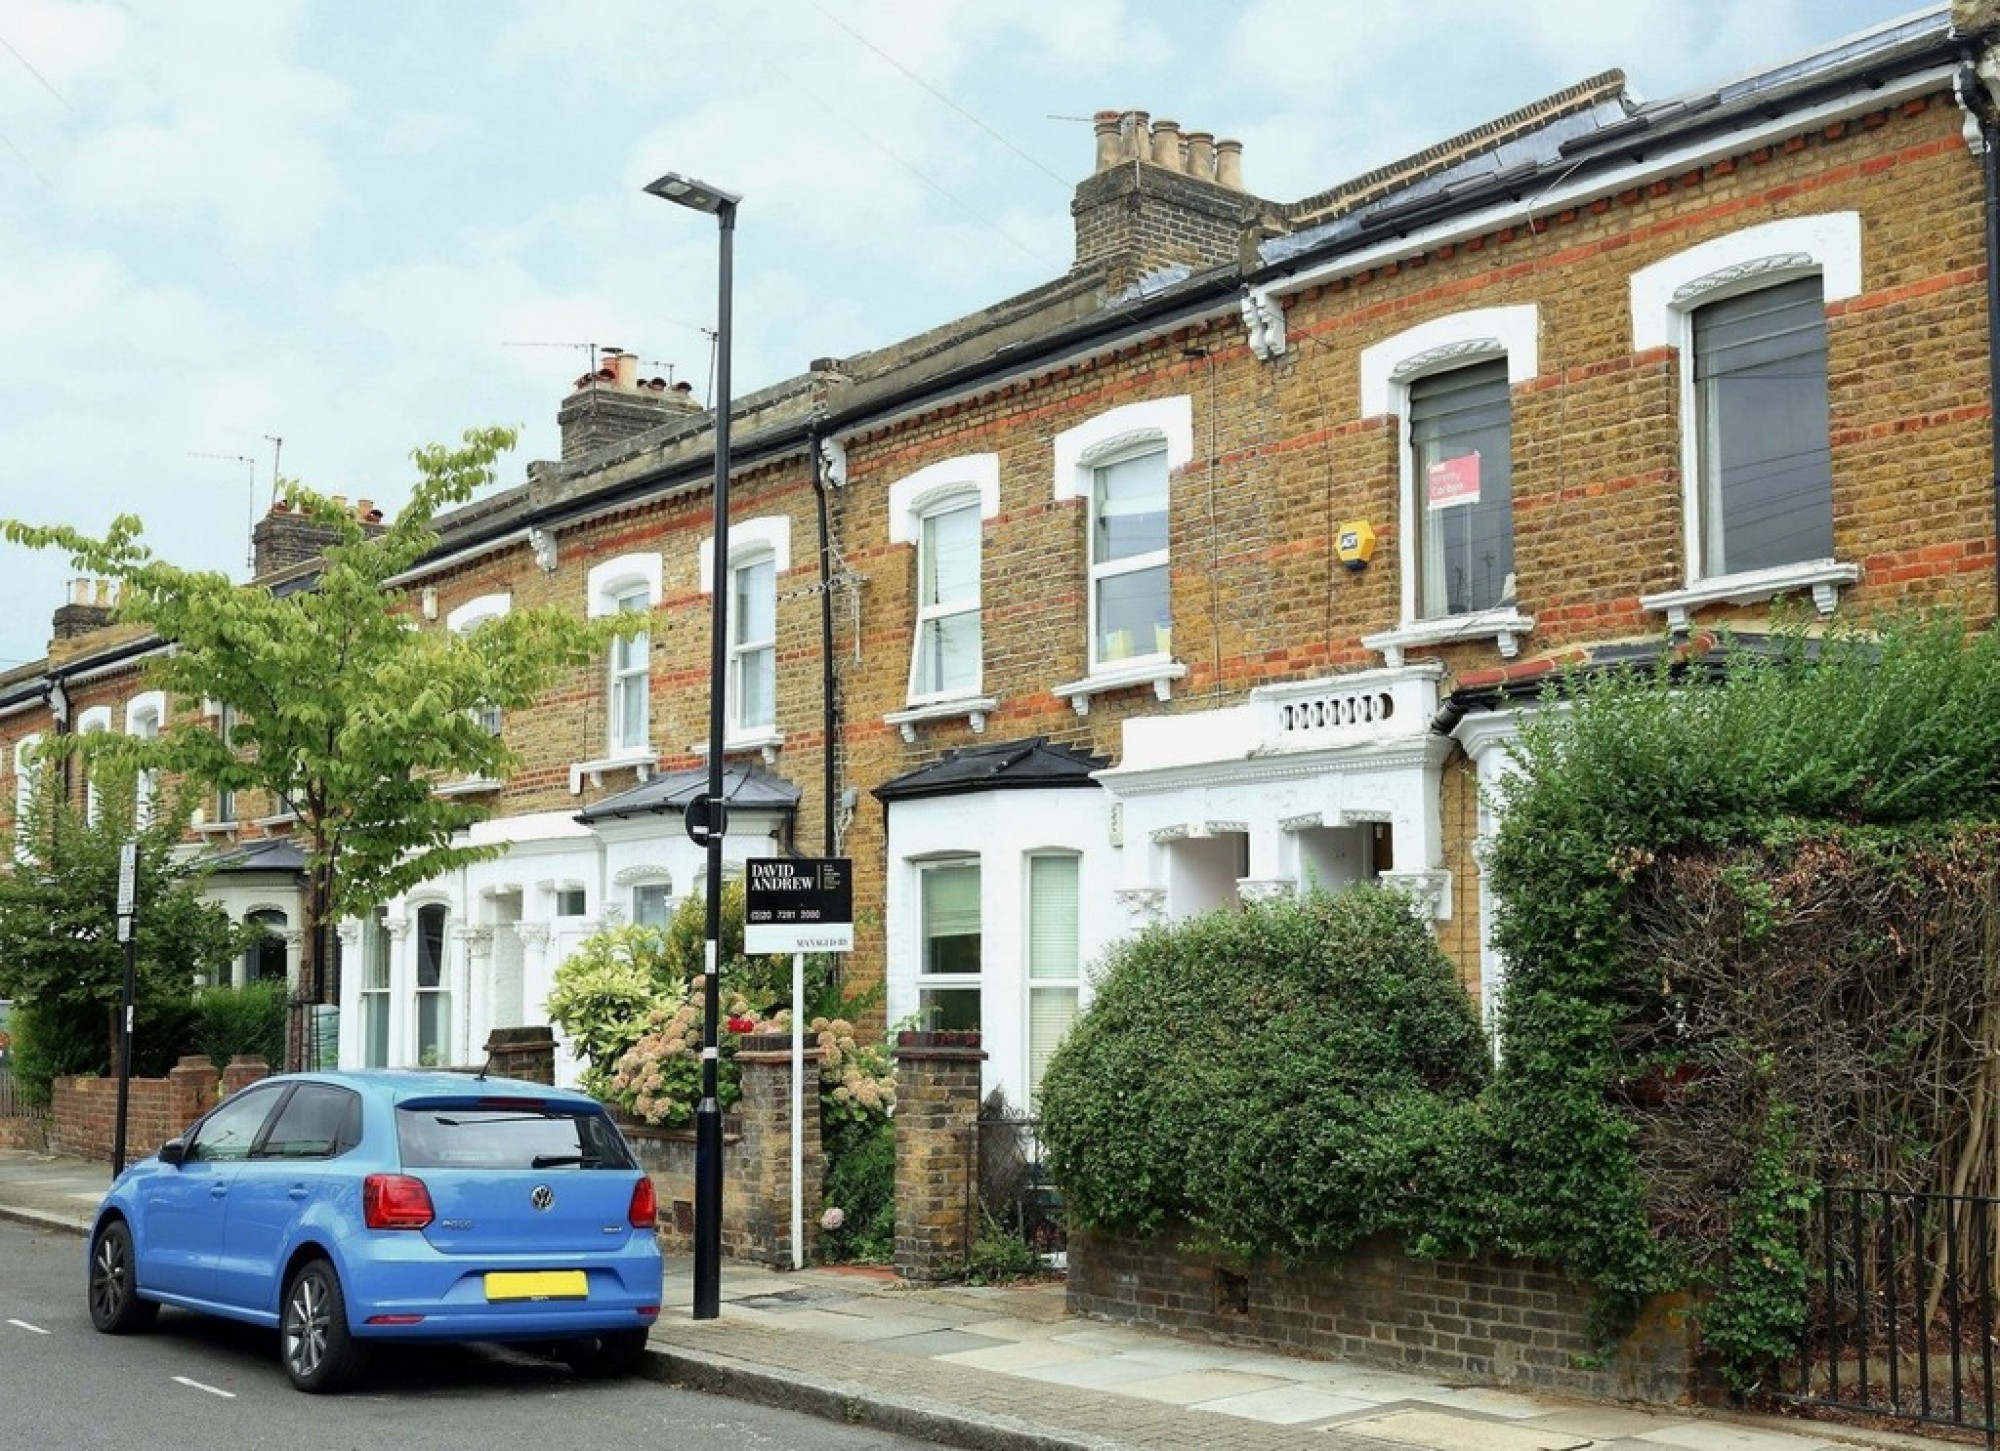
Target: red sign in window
point(1452, 481)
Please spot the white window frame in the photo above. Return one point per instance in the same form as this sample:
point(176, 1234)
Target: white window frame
point(969, 481)
point(145, 718)
point(750, 542)
point(463, 620)
point(1130, 431)
point(1031, 984)
point(926, 980)
point(441, 994)
point(27, 771)
point(1665, 298)
point(610, 585)
point(1389, 369)
point(94, 721)
point(225, 796)
point(377, 964)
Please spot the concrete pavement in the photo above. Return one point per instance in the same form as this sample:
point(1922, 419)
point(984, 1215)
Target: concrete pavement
point(1008, 1369)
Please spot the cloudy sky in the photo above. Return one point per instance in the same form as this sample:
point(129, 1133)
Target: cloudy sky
point(359, 226)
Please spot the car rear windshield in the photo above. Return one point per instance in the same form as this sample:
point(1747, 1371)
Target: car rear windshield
point(524, 1135)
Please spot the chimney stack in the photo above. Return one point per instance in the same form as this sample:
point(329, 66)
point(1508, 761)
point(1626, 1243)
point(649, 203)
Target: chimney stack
point(1158, 197)
point(615, 403)
point(87, 610)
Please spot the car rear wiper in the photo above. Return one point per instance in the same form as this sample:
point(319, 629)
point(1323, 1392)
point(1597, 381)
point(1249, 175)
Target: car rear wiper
point(550, 1161)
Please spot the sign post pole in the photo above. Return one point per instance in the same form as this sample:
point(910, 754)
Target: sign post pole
point(798, 905)
point(128, 901)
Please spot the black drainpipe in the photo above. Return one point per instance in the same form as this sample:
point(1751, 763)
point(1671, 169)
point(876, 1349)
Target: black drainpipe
point(1967, 89)
point(829, 700)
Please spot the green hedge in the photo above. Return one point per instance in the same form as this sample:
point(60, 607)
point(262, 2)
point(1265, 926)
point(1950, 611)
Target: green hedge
point(1286, 1079)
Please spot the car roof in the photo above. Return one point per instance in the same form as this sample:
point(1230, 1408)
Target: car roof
point(401, 1084)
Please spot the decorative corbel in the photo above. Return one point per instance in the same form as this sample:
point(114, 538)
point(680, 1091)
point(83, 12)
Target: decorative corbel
point(833, 462)
point(1264, 319)
point(543, 543)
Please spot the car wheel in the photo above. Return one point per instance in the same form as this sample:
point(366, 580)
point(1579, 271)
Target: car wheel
point(320, 1354)
point(614, 1353)
point(115, 1306)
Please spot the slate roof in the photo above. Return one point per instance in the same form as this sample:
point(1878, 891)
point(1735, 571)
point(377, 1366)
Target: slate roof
point(271, 854)
point(1026, 765)
point(747, 788)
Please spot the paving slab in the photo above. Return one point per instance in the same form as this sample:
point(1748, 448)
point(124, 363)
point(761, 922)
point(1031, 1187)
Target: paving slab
point(1437, 1431)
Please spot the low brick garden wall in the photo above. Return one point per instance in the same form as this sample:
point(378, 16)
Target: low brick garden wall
point(83, 1117)
point(756, 1161)
point(1495, 1320)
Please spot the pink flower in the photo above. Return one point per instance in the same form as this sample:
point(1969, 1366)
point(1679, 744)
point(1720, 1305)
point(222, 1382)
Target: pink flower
point(832, 1219)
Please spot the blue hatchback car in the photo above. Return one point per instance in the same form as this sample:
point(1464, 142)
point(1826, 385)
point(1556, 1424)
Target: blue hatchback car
point(346, 1209)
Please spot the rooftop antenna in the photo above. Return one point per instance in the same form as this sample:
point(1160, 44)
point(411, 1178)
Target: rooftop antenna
point(590, 348)
point(277, 448)
point(250, 551)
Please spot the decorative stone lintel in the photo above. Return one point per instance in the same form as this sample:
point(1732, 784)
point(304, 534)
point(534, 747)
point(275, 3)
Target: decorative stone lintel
point(1145, 905)
point(1265, 889)
point(1429, 892)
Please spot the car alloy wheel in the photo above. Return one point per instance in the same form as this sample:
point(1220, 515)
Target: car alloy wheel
point(319, 1352)
point(115, 1306)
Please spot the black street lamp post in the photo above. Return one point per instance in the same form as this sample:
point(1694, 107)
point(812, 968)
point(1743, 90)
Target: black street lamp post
point(712, 819)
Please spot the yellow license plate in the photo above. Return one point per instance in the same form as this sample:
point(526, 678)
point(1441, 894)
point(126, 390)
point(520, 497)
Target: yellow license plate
point(537, 1285)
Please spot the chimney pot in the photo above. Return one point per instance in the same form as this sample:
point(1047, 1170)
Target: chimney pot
point(1167, 145)
point(1201, 154)
point(1105, 123)
point(1137, 135)
point(1229, 164)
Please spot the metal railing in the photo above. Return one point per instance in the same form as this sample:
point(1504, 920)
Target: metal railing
point(1014, 1192)
point(12, 1104)
point(1900, 1308)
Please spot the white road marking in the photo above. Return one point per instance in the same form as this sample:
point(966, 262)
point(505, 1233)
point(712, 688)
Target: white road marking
point(198, 1386)
point(33, 1329)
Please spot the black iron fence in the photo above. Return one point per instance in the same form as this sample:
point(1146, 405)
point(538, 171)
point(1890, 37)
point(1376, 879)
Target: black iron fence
point(1900, 1308)
point(12, 1105)
point(1014, 1191)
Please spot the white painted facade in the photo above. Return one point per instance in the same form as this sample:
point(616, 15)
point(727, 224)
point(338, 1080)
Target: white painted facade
point(507, 927)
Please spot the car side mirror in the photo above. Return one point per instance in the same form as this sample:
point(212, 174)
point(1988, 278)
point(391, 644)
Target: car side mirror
point(173, 1151)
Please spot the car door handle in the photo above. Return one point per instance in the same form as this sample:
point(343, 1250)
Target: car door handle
point(216, 1191)
point(299, 1191)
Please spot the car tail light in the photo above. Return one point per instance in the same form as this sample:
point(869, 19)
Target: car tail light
point(395, 1201)
point(645, 1209)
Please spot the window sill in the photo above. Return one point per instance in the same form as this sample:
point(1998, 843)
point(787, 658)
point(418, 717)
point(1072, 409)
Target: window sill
point(1160, 673)
point(766, 741)
point(216, 828)
point(594, 770)
point(470, 786)
point(1823, 577)
point(1505, 627)
point(974, 709)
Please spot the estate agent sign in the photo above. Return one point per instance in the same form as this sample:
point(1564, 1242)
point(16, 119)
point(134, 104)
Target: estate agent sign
point(798, 904)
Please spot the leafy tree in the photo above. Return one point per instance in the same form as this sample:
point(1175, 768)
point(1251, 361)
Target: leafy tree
point(59, 950)
point(346, 714)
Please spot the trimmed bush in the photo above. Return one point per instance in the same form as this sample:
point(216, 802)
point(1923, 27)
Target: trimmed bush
point(1286, 1079)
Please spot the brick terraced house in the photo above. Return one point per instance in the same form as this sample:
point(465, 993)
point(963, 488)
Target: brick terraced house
point(1223, 564)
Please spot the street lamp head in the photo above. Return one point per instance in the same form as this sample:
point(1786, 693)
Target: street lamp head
point(696, 195)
